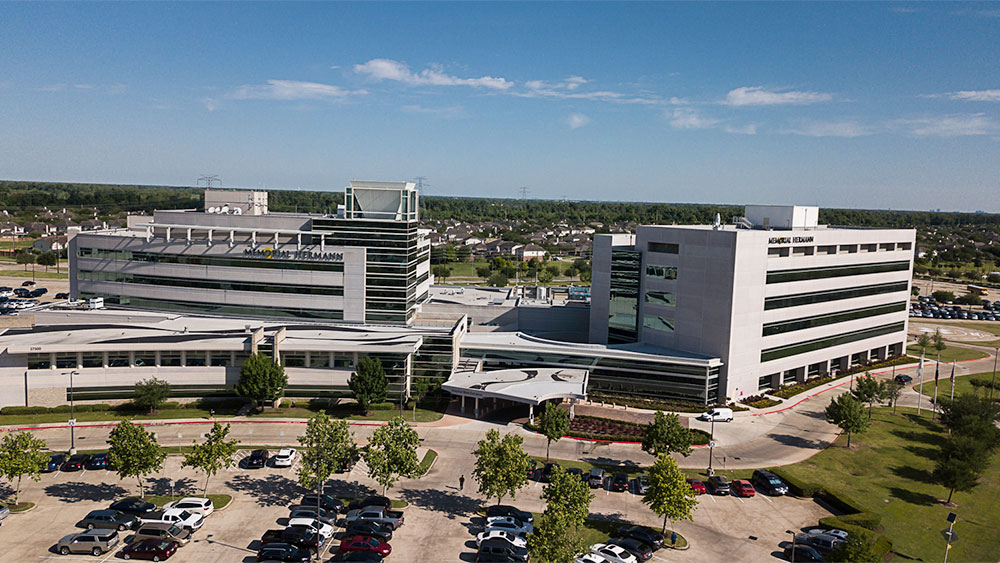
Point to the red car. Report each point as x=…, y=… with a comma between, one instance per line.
x=742, y=488
x=365, y=543
x=154, y=550
x=697, y=485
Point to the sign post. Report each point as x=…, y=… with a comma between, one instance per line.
x=949, y=534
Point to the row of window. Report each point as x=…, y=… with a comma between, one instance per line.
x=661, y=272
x=832, y=249
x=142, y=358
x=802, y=274
x=781, y=327
x=210, y=284
x=623, y=307
x=218, y=308
x=663, y=247
x=828, y=342
x=810, y=298
x=142, y=256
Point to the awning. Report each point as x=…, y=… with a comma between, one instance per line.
x=530, y=386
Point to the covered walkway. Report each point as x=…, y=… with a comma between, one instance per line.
x=530, y=386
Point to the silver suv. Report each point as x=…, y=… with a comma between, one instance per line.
x=163, y=531
x=94, y=542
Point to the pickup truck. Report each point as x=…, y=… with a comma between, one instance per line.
x=177, y=516
x=391, y=519
x=299, y=537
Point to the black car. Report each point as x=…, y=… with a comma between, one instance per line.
x=547, y=471
x=370, y=529
x=644, y=534
x=62, y=295
x=28, y=283
x=98, y=461
x=55, y=462
x=110, y=519
x=507, y=510
x=578, y=472
x=717, y=485
x=768, y=483
x=298, y=536
x=903, y=379
x=359, y=556
x=38, y=292
x=619, y=482
x=75, y=462
x=21, y=292
x=641, y=550
x=326, y=502
x=383, y=502
x=258, y=459
x=803, y=553
x=502, y=548
x=133, y=505
x=283, y=552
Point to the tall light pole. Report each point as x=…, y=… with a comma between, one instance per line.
x=994, y=379
x=793, y=544
x=949, y=534
x=711, y=445
x=72, y=418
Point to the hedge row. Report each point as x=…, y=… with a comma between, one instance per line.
x=698, y=437
x=126, y=408
x=669, y=406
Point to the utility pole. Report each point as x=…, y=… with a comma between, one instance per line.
x=994, y=379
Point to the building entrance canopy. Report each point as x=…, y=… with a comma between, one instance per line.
x=530, y=386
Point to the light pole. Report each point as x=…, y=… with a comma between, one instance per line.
x=72, y=418
x=949, y=534
x=711, y=445
x=994, y=379
x=793, y=544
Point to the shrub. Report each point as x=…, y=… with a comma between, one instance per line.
x=839, y=501
x=797, y=487
x=386, y=406
x=169, y=405
x=24, y=410
x=60, y=409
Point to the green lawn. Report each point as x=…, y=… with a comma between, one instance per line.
x=963, y=384
x=630, y=470
x=887, y=471
x=425, y=464
x=39, y=274
x=949, y=354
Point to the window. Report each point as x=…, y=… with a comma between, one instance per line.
x=658, y=323
x=39, y=361
x=781, y=327
x=803, y=250
x=820, y=343
x=887, y=246
x=319, y=360
x=118, y=360
x=777, y=252
x=294, y=359
x=66, y=360
x=848, y=249
x=220, y=359
x=170, y=359
x=661, y=298
x=833, y=295
x=93, y=359
x=661, y=272
x=624, y=297
x=826, y=250
x=195, y=359
x=343, y=361
x=144, y=359
x=663, y=247
x=764, y=381
x=782, y=276
x=869, y=248
x=904, y=246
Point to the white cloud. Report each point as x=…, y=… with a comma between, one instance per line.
x=450, y=112
x=758, y=96
x=748, y=129
x=687, y=118
x=976, y=95
x=53, y=88
x=848, y=129
x=957, y=125
x=83, y=86
x=388, y=69
x=293, y=90
x=211, y=104
x=577, y=120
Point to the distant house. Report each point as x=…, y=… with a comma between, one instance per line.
x=10, y=227
x=38, y=227
x=92, y=225
x=530, y=251
x=46, y=244
x=64, y=225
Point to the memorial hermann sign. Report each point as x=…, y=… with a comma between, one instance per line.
x=306, y=255
x=788, y=240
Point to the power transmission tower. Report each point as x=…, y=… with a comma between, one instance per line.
x=209, y=180
x=524, y=191
x=419, y=180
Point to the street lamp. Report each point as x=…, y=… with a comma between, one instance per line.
x=711, y=444
x=793, y=544
x=72, y=419
x=994, y=379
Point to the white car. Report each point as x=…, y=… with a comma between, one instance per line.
x=509, y=524
x=496, y=533
x=839, y=534
x=613, y=553
x=195, y=505
x=181, y=518
x=284, y=457
x=591, y=558
x=324, y=530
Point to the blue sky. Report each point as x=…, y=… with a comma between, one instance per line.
x=878, y=105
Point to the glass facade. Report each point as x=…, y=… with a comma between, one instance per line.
x=219, y=308
x=798, y=299
x=783, y=276
x=658, y=323
x=663, y=247
x=142, y=279
x=623, y=309
x=661, y=298
x=828, y=342
x=661, y=272
x=770, y=329
x=137, y=256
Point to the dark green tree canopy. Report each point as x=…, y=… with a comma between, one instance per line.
x=368, y=382
x=262, y=380
x=553, y=424
x=666, y=435
x=151, y=393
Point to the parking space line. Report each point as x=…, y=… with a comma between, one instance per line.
x=713, y=498
x=767, y=499
x=741, y=500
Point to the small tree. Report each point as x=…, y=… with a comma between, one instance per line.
x=261, y=379
x=544, y=277
x=497, y=279
x=392, y=452
x=891, y=394
x=21, y=454
x=585, y=275
x=867, y=389
x=501, y=465
x=857, y=549
x=942, y=296
x=368, y=382
x=975, y=417
x=134, y=452
x=939, y=344
x=846, y=412
x=552, y=541
x=150, y=394
x=47, y=259
x=666, y=435
x=328, y=446
x=914, y=291
x=441, y=271
x=553, y=424
x=669, y=493
x=484, y=272
x=960, y=463
x=568, y=495
x=215, y=453
x=923, y=342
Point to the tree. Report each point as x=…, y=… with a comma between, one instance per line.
x=969, y=415
x=25, y=257
x=914, y=291
x=570, y=272
x=942, y=296
x=484, y=272
x=568, y=495
x=669, y=493
x=501, y=465
x=497, y=279
x=939, y=344
x=449, y=253
x=134, y=452
x=463, y=253
x=858, y=548
x=891, y=394
x=553, y=424
x=585, y=275
x=441, y=271
x=967, y=299
x=21, y=454
x=923, y=341
x=150, y=393
x=867, y=389
x=392, y=452
x=261, y=379
x=846, y=412
x=666, y=435
x=49, y=259
x=960, y=462
x=215, y=453
x=552, y=269
x=327, y=446
x=551, y=540
x=368, y=383
x=544, y=277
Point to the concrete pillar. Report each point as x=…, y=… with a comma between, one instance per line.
x=210, y=232
x=800, y=374
x=168, y=234
x=322, y=243
x=531, y=414
x=253, y=239
x=298, y=241
x=189, y=235
x=232, y=238
x=476, y=412
x=463, y=404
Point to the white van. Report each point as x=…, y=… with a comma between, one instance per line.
x=718, y=415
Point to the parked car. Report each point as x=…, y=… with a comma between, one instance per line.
x=644, y=534
x=903, y=379
x=283, y=552
x=365, y=543
x=75, y=462
x=358, y=556
x=28, y=283
x=195, y=505
x=638, y=549
x=802, y=552
x=590, y=558
x=4, y=513
x=284, y=458
x=306, y=538
x=822, y=542
x=768, y=483
x=501, y=550
x=94, y=542
x=547, y=471
x=742, y=488
x=717, y=414
x=258, y=459
x=578, y=472
x=62, y=295
x=98, y=461
x=312, y=512
x=718, y=485
x=372, y=529
x=324, y=530
x=133, y=505
x=383, y=502
x=55, y=462
x=507, y=510
x=162, y=532
x=493, y=534
x=153, y=550
x=839, y=534
x=619, y=482
x=596, y=478
x=326, y=502
x=182, y=518
x=613, y=553
x=697, y=486
x=509, y=524
x=392, y=519
x=110, y=519
x=642, y=484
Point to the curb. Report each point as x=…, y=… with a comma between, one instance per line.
x=33, y=506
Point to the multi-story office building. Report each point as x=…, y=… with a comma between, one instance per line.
x=775, y=296
x=368, y=263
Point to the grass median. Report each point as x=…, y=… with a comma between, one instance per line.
x=949, y=354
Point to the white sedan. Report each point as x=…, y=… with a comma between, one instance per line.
x=284, y=457
x=497, y=533
x=324, y=530
x=613, y=553
x=839, y=534
x=591, y=558
x=195, y=505
x=508, y=523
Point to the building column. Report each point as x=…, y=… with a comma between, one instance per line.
x=168, y=234
x=800, y=374
x=531, y=414
x=572, y=409
x=476, y=412
x=463, y=404
x=189, y=235
x=253, y=239
x=298, y=241
x=232, y=238
x=322, y=243
x=210, y=234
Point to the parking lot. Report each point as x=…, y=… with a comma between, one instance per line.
x=441, y=521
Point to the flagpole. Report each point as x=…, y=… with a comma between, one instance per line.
x=920, y=381
x=937, y=366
